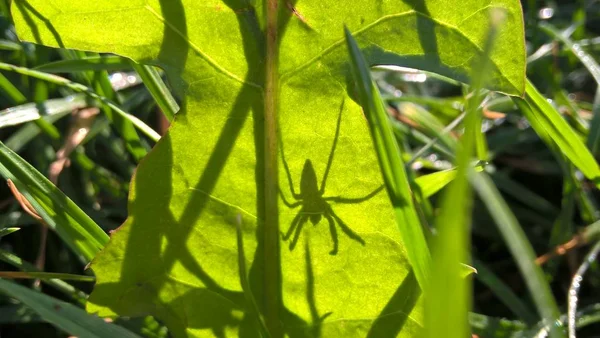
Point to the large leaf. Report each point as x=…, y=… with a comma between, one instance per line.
x=176, y=256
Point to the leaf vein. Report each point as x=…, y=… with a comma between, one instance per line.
x=286, y=76
x=197, y=49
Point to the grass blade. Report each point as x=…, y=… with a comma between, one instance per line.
x=504, y=293
x=432, y=183
x=75, y=227
x=45, y=275
x=153, y=135
x=158, y=89
x=590, y=258
x=556, y=132
x=58, y=284
x=91, y=63
x=587, y=60
x=390, y=161
x=66, y=316
x=33, y=111
x=521, y=250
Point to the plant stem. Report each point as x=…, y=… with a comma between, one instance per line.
x=271, y=225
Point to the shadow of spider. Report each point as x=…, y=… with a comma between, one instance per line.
x=314, y=205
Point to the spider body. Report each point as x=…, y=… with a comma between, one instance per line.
x=310, y=194
x=314, y=205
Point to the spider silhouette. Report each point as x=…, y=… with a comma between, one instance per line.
x=314, y=205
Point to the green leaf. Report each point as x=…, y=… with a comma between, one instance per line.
x=176, y=255
x=66, y=316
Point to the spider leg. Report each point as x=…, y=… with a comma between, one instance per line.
x=334, y=235
x=288, y=204
x=345, y=228
x=339, y=199
x=287, y=172
x=298, y=231
x=293, y=225
x=335, y=140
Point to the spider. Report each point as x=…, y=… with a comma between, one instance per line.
x=314, y=205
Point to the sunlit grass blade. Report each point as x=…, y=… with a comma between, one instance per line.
x=45, y=275
x=91, y=63
x=8, y=231
x=33, y=111
x=61, y=214
x=446, y=312
x=520, y=248
x=556, y=132
x=402, y=131
x=390, y=161
x=158, y=89
x=432, y=183
x=153, y=135
x=427, y=123
x=65, y=316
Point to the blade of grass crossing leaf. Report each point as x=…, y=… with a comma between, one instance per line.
x=392, y=167
x=446, y=313
x=90, y=63
x=153, y=135
x=99, y=81
x=75, y=227
x=521, y=249
x=65, y=316
x=158, y=89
